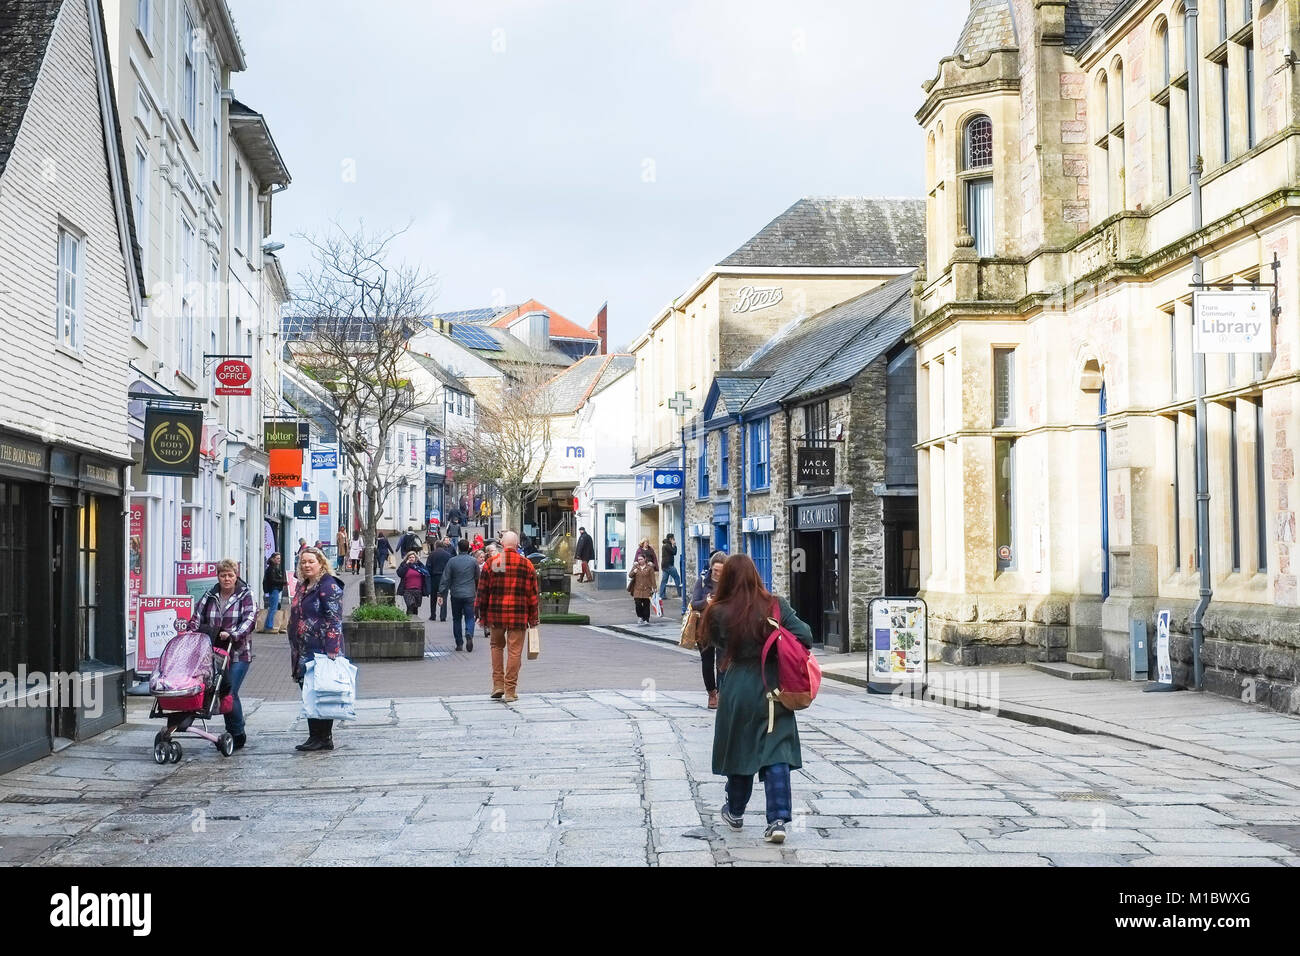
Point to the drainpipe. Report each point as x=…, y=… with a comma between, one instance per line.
x=787, y=513
x=744, y=481
x=1197, y=627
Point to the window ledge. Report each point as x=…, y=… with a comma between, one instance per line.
x=145, y=41
x=69, y=352
x=184, y=377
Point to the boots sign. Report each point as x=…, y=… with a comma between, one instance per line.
x=233, y=378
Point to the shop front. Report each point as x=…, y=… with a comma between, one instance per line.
x=63, y=594
x=819, y=578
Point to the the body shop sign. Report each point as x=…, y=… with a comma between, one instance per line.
x=233, y=378
x=159, y=619
x=1233, y=321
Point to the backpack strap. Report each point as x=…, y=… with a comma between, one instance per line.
x=775, y=620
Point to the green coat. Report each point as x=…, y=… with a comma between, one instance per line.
x=741, y=744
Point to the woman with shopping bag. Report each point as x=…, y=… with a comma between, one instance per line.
x=315, y=629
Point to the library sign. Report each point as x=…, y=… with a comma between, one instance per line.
x=1233, y=321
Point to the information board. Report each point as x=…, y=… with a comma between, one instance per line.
x=898, y=640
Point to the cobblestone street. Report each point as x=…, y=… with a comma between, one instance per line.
x=622, y=777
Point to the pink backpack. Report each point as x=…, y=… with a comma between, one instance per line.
x=798, y=674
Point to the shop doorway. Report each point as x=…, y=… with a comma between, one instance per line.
x=64, y=611
x=818, y=586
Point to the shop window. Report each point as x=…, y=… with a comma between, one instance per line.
x=701, y=555
x=15, y=507
x=760, y=551
x=615, y=540
x=88, y=578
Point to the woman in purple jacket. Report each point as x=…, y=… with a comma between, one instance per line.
x=315, y=627
x=227, y=614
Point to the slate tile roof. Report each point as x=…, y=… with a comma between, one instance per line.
x=572, y=387
x=1082, y=17
x=839, y=231
x=734, y=390
x=989, y=26
x=25, y=30
x=441, y=374
x=833, y=346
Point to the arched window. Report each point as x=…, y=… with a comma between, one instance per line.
x=1162, y=41
x=977, y=156
x=978, y=143
x=1100, y=180
x=1163, y=138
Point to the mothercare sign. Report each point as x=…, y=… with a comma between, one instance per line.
x=1234, y=321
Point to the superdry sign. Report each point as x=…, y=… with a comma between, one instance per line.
x=233, y=378
x=171, y=443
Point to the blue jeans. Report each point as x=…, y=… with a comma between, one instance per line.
x=670, y=569
x=272, y=606
x=776, y=785
x=235, y=719
x=462, y=609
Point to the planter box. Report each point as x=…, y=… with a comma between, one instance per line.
x=384, y=640
x=555, y=605
x=555, y=579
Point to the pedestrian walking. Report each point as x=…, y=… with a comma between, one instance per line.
x=315, y=627
x=412, y=581
x=441, y=552
x=341, y=540
x=410, y=541
x=507, y=605
x=453, y=528
x=586, y=553
x=646, y=550
x=701, y=597
x=383, y=548
x=274, y=582
x=302, y=545
x=669, y=552
x=226, y=613
x=355, y=551
x=752, y=734
x=459, y=588
x=641, y=582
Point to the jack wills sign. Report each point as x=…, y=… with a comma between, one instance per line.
x=815, y=466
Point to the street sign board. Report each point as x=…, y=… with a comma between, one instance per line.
x=669, y=478
x=1164, y=671
x=898, y=640
x=158, y=620
x=1238, y=321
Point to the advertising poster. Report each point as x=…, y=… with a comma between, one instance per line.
x=1164, y=671
x=196, y=578
x=187, y=535
x=159, y=619
x=898, y=640
x=135, y=558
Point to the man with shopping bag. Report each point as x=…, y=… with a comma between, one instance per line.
x=507, y=607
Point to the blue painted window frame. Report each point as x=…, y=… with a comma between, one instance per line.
x=760, y=471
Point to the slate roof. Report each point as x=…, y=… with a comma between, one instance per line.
x=734, y=390
x=833, y=346
x=990, y=26
x=25, y=30
x=572, y=387
x=441, y=374
x=839, y=231
x=1082, y=17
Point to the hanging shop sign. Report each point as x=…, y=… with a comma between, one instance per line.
x=324, y=460
x=233, y=378
x=286, y=467
x=669, y=478
x=305, y=510
x=815, y=466
x=304, y=434
x=171, y=442
x=1233, y=321
x=279, y=435
x=898, y=640
x=159, y=619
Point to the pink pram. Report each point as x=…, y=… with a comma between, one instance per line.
x=190, y=683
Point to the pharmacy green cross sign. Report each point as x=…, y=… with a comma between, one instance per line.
x=680, y=404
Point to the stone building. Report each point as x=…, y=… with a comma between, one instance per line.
x=821, y=251
x=1054, y=336
x=832, y=390
x=70, y=293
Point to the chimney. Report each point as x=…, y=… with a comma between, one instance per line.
x=601, y=327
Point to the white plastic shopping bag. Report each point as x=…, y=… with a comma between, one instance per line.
x=657, y=604
x=329, y=689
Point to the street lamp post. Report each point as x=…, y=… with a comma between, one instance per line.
x=681, y=404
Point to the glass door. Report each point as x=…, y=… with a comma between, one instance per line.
x=831, y=633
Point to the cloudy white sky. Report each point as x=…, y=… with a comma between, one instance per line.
x=589, y=150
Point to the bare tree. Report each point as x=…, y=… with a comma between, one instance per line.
x=511, y=443
x=356, y=312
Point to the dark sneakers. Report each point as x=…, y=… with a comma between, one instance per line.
x=469, y=644
x=775, y=832
x=736, y=823
x=240, y=740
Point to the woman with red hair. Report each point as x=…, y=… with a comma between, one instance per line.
x=737, y=623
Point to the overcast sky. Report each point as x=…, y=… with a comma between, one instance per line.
x=584, y=151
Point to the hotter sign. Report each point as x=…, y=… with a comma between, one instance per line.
x=233, y=377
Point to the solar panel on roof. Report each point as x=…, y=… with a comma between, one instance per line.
x=475, y=338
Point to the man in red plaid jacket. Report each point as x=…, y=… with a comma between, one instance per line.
x=506, y=607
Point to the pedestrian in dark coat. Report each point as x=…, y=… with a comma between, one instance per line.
x=383, y=548
x=648, y=551
x=440, y=552
x=586, y=553
x=700, y=600
x=315, y=627
x=738, y=620
x=274, y=581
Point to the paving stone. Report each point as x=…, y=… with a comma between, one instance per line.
x=686, y=858
x=991, y=808
x=870, y=807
